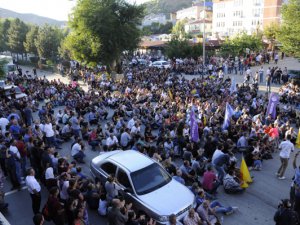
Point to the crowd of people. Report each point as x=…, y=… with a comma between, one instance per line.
x=149, y=111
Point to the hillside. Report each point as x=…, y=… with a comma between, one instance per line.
x=30, y=18
x=166, y=6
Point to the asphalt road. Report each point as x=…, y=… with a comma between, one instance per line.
x=257, y=204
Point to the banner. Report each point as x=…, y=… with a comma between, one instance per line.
x=273, y=101
x=194, y=127
x=298, y=139
x=228, y=114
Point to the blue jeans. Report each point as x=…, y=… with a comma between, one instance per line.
x=94, y=144
x=51, y=141
x=220, y=208
x=18, y=171
x=221, y=173
x=23, y=166
x=258, y=164
x=79, y=156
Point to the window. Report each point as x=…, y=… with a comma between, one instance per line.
x=109, y=168
x=149, y=179
x=238, y=2
x=257, y=2
x=238, y=13
x=256, y=12
x=123, y=178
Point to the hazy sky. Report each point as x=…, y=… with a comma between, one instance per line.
x=56, y=9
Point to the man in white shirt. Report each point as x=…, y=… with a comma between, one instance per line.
x=49, y=133
x=77, y=151
x=112, y=142
x=131, y=123
x=3, y=123
x=286, y=147
x=34, y=189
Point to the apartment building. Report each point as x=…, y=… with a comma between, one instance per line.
x=234, y=16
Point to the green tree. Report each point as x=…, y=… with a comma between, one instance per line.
x=178, y=48
x=31, y=37
x=17, y=36
x=5, y=25
x=290, y=28
x=113, y=23
x=157, y=28
x=238, y=44
x=178, y=30
x=82, y=47
x=47, y=42
x=271, y=33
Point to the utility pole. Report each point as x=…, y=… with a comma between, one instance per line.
x=203, y=38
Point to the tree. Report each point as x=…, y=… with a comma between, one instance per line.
x=157, y=28
x=82, y=47
x=5, y=25
x=113, y=24
x=47, y=42
x=238, y=44
x=178, y=30
x=31, y=37
x=17, y=36
x=290, y=28
x=177, y=48
x=271, y=33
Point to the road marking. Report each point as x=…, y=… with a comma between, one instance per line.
x=14, y=191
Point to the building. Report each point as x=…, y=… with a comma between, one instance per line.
x=195, y=27
x=193, y=12
x=154, y=18
x=234, y=16
x=271, y=12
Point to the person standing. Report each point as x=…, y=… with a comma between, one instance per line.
x=261, y=75
x=286, y=147
x=34, y=189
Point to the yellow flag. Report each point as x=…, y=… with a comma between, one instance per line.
x=246, y=178
x=170, y=94
x=298, y=140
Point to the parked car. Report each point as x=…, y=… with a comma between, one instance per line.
x=294, y=76
x=13, y=89
x=161, y=64
x=145, y=183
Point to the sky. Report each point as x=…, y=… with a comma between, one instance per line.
x=55, y=9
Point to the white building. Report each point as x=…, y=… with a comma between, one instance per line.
x=196, y=27
x=233, y=16
x=154, y=18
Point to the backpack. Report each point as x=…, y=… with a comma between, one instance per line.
x=46, y=213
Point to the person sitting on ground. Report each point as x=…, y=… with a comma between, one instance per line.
x=207, y=214
x=192, y=218
x=173, y=220
x=230, y=183
x=210, y=182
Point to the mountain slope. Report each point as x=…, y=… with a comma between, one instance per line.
x=30, y=18
x=166, y=6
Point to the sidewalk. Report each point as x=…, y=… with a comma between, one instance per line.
x=289, y=62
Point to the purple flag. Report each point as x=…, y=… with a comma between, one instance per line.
x=194, y=127
x=273, y=101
